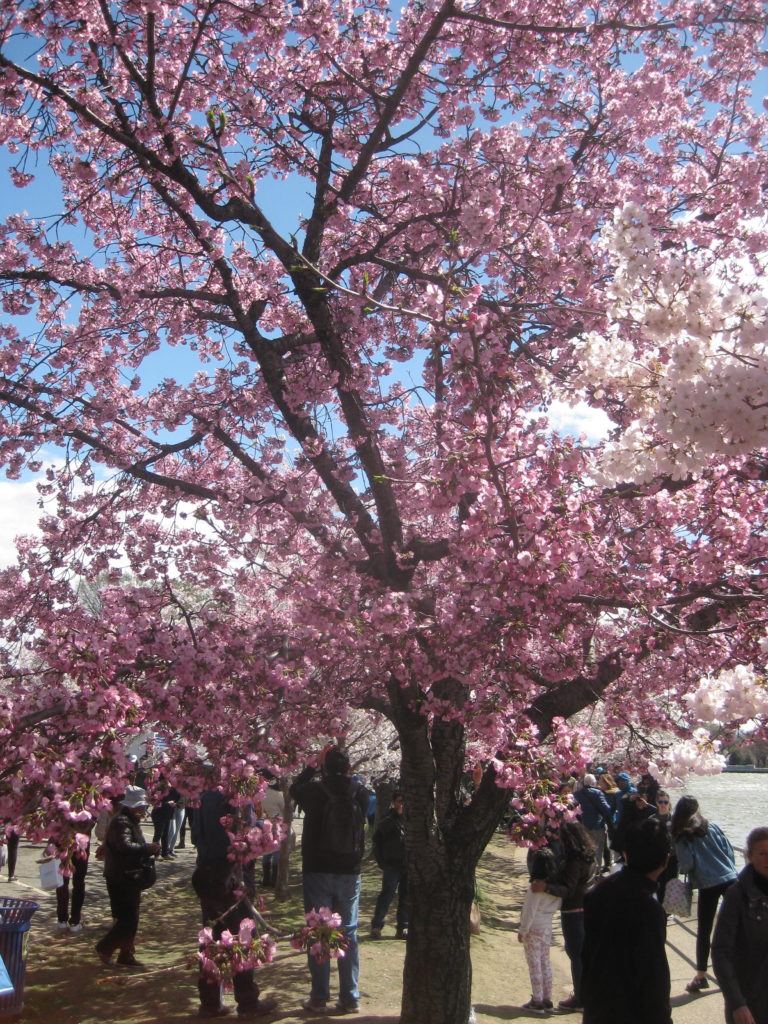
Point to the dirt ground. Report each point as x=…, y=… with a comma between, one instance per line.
x=66, y=984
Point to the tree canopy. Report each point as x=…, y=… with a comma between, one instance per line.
x=375, y=250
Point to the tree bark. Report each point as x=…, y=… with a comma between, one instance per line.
x=448, y=825
x=437, y=976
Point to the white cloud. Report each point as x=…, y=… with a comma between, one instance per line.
x=19, y=514
x=579, y=419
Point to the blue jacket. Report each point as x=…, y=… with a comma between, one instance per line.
x=595, y=809
x=707, y=859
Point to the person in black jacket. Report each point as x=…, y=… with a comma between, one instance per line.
x=625, y=974
x=335, y=807
x=162, y=818
x=575, y=854
x=223, y=891
x=740, y=943
x=125, y=852
x=389, y=851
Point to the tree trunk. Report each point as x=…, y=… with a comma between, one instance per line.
x=448, y=823
x=437, y=976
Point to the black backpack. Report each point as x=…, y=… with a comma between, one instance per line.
x=342, y=825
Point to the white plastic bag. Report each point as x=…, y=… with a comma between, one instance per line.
x=50, y=874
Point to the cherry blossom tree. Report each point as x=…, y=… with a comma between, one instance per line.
x=304, y=442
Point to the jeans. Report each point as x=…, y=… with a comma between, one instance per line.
x=174, y=827
x=393, y=880
x=227, y=912
x=341, y=893
x=572, y=923
x=598, y=838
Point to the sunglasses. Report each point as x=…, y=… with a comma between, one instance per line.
x=660, y=802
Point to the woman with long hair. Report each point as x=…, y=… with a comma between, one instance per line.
x=575, y=872
x=706, y=856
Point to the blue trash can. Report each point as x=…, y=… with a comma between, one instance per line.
x=15, y=922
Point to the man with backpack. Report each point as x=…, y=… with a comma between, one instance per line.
x=334, y=808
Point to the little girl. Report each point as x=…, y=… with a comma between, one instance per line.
x=535, y=931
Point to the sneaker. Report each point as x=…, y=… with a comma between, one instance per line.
x=570, y=1003
x=62, y=926
x=75, y=928
x=535, y=1006
x=13, y=878
x=401, y=933
x=214, y=1011
x=697, y=985
x=315, y=1005
x=375, y=933
x=261, y=1009
x=351, y=1007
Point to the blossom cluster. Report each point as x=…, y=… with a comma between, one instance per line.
x=223, y=957
x=252, y=842
x=75, y=847
x=699, y=755
x=684, y=353
x=536, y=815
x=733, y=695
x=322, y=936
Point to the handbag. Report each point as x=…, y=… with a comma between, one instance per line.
x=148, y=873
x=145, y=876
x=677, y=898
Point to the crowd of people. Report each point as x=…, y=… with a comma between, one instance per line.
x=614, y=927
x=601, y=869
x=336, y=809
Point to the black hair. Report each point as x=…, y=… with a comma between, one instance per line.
x=543, y=865
x=646, y=845
x=336, y=762
x=577, y=842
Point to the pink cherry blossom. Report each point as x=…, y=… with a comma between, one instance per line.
x=285, y=347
